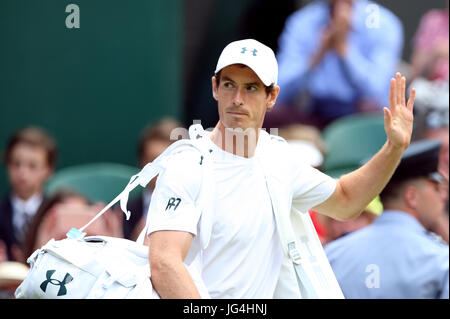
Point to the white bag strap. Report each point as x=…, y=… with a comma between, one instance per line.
x=287, y=236
x=288, y=242
x=142, y=178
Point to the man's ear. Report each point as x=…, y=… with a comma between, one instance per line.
x=214, y=88
x=273, y=95
x=410, y=196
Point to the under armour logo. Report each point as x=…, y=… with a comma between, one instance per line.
x=254, y=51
x=62, y=284
x=171, y=203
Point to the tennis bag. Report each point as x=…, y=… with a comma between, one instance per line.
x=79, y=267
x=92, y=267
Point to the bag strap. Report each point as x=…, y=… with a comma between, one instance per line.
x=289, y=243
x=195, y=132
x=142, y=178
x=286, y=232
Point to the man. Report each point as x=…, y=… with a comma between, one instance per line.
x=336, y=58
x=397, y=256
x=30, y=160
x=243, y=256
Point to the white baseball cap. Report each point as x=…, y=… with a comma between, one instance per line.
x=257, y=56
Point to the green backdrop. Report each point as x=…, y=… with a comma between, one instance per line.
x=93, y=88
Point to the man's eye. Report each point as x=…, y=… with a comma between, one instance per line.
x=252, y=88
x=228, y=85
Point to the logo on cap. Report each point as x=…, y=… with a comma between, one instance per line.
x=254, y=51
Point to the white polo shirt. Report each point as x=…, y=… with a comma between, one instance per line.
x=244, y=255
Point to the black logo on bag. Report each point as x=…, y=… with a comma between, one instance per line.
x=171, y=203
x=62, y=284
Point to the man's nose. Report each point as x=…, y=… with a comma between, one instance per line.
x=238, y=97
x=22, y=170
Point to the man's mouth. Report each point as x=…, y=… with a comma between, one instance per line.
x=236, y=112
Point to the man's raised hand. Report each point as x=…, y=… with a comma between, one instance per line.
x=398, y=119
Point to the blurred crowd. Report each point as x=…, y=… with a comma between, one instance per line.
x=335, y=60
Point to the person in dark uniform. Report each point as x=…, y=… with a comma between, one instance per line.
x=397, y=256
x=30, y=158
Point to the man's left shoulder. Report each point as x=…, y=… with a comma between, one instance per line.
x=274, y=140
x=278, y=139
x=280, y=150
x=275, y=146
x=278, y=153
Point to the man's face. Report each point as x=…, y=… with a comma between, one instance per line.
x=430, y=203
x=28, y=170
x=242, y=98
x=74, y=212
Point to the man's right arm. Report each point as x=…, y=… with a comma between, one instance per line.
x=169, y=275
x=173, y=217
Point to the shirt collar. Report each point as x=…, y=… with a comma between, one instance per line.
x=29, y=206
x=398, y=216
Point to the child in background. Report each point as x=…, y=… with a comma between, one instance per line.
x=30, y=158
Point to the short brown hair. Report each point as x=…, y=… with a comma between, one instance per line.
x=268, y=89
x=161, y=131
x=36, y=137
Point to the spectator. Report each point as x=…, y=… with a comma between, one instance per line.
x=442, y=134
x=430, y=53
x=337, y=57
x=152, y=142
x=62, y=211
x=30, y=160
x=432, y=123
x=396, y=256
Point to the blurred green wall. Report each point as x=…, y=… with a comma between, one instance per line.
x=93, y=88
